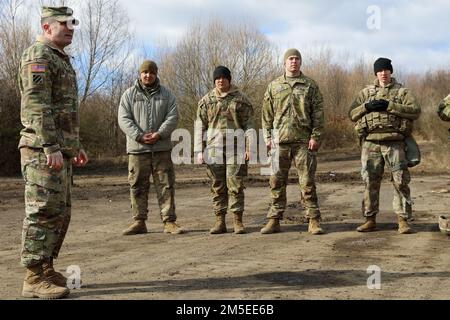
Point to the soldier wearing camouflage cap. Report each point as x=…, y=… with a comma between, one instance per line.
x=49, y=146
x=293, y=111
x=444, y=109
x=225, y=108
x=383, y=114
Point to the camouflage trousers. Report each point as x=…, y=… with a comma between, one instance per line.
x=159, y=166
x=305, y=162
x=374, y=157
x=227, y=187
x=47, y=207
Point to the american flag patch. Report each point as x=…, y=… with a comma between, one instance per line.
x=38, y=68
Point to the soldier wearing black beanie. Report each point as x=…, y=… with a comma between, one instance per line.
x=382, y=64
x=383, y=113
x=222, y=71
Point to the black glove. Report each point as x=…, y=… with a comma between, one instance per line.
x=382, y=105
x=372, y=106
x=377, y=105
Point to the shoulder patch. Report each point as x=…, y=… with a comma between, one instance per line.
x=38, y=68
x=38, y=79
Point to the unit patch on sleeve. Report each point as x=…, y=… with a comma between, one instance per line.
x=38, y=79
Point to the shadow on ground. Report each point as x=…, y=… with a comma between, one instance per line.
x=273, y=281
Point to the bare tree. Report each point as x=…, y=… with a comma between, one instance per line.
x=103, y=44
x=100, y=130
x=55, y=3
x=15, y=36
x=188, y=68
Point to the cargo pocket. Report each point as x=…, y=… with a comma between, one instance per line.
x=34, y=240
x=47, y=179
x=44, y=196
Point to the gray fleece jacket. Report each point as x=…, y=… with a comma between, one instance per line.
x=141, y=112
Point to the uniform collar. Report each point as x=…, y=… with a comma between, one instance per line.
x=148, y=91
x=232, y=91
x=50, y=44
x=293, y=80
x=390, y=85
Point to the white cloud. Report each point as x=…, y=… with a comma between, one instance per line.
x=413, y=33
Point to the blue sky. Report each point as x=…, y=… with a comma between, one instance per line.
x=414, y=34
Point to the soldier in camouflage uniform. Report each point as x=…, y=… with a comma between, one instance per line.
x=293, y=110
x=444, y=113
x=383, y=114
x=225, y=108
x=49, y=144
x=148, y=114
x=444, y=109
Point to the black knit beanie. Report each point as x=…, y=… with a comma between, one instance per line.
x=222, y=71
x=382, y=64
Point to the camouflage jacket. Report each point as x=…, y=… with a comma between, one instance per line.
x=393, y=124
x=220, y=112
x=444, y=109
x=49, y=106
x=294, y=107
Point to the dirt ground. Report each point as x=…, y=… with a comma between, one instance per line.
x=289, y=265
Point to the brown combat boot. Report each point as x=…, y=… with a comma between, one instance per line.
x=54, y=277
x=369, y=226
x=238, y=225
x=314, y=226
x=172, y=227
x=137, y=227
x=273, y=226
x=35, y=285
x=220, y=225
x=403, y=226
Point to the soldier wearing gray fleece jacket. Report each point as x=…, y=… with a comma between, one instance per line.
x=148, y=115
x=146, y=110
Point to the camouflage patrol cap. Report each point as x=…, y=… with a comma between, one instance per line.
x=61, y=14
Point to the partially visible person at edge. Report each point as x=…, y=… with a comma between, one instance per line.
x=49, y=145
x=293, y=106
x=444, y=109
x=148, y=114
x=225, y=108
x=383, y=114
